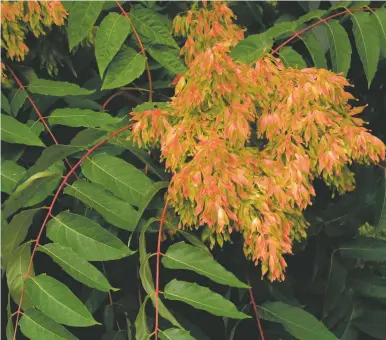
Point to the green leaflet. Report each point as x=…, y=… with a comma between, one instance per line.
x=81, y=118
x=11, y=174
x=372, y=323
x=57, y=88
x=76, y=266
x=32, y=191
x=37, y=326
x=315, y=49
x=121, y=178
x=111, y=34
x=114, y=210
x=12, y=131
x=368, y=285
x=298, y=322
x=281, y=28
x=175, y=334
x=150, y=27
x=86, y=238
x=82, y=16
x=127, y=66
x=17, y=267
x=367, y=42
x=184, y=256
x=15, y=233
x=364, y=248
x=291, y=58
x=17, y=98
x=340, y=46
x=55, y=299
x=147, y=278
x=380, y=201
x=5, y=105
x=252, y=48
x=141, y=328
x=379, y=18
x=51, y=155
x=202, y=298
x=168, y=58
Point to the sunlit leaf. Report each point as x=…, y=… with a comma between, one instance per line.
x=27, y=191
x=12, y=131
x=126, y=66
x=79, y=117
x=86, y=237
x=76, y=266
x=281, y=28
x=184, y=256
x=296, y=321
x=15, y=233
x=168, y=58
x=202, y=298
x=11, y=174
x=111, y=34
x=147, y=278
x=17, y=98
x=121, y=178
x=17, y=268
x=252, y=48
x=175, y=334
x=55, y=299
x=82, y=17
x=141, y=328
x=149, y=26
x=37, y=326
x=57, y=88
x=367, y=42
x=5, y=105
x=114, y=210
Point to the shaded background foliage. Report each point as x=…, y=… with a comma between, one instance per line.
x=337, y=274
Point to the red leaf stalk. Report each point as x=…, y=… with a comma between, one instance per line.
x=255, y=310
x=142, y=50
x=50, y=208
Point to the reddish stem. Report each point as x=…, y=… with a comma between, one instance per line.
x=157, y=273
x=120, y=93
x=142, y=50
x=48, y=215
x=297, y=34
x=41, y=118
x=255, y=310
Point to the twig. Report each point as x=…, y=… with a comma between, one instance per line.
x=255, y=310
x=297, y=34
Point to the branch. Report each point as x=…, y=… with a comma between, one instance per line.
x=41, y=118
x=142, y=50
x=48, y=215
x=255, y=310
x=297, y=34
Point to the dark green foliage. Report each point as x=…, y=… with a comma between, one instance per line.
x=102, y=228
